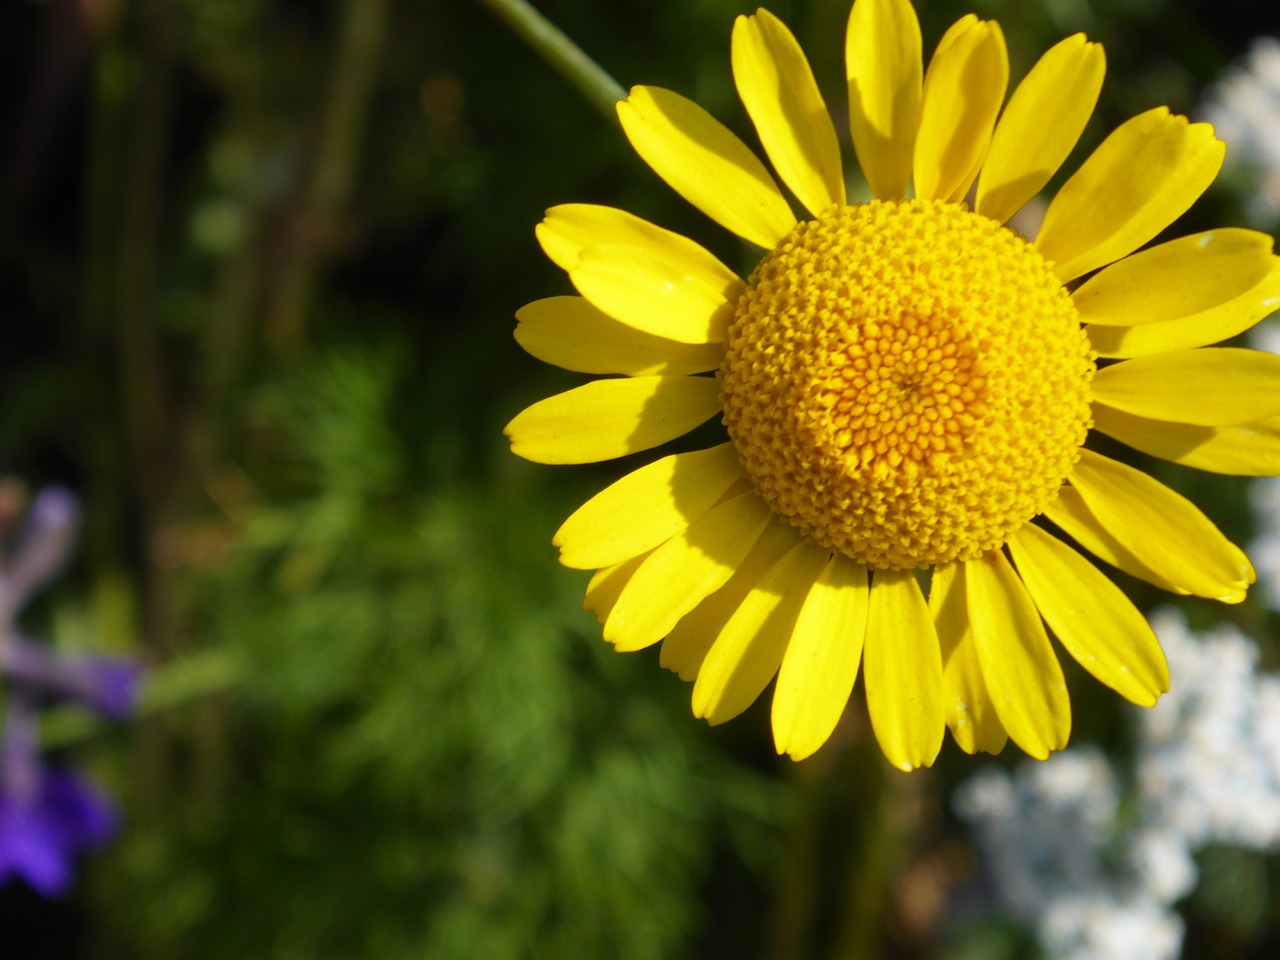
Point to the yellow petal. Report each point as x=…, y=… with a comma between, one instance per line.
x=1091, y=616
x=902, y=668
x=1176, y=279
x=1040, y=126
x=883, y=65
x=1212, y=325
x=569, y=228
x=970, y=713
x=646, y=507
x=963, y=90
x=660, y=291
x=1210, y=387
x=1244, y=450
x=646, y=277
x=571, y=333
x=747, y=652
x=678, y=575
x=1163, y=529
x=1018, y=663
x=777, y=87
x=606, y=586
x=821, y=662
x=1069, y=511
x=706, y=164
x=604, y=419
x=686, y=646
x=1140, y=179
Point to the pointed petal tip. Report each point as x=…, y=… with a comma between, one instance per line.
x=1237, y=590
x=1040, y=748
x=624, y=106
x=517, y=447
x=713, y=719
x=567, y=559
x=915, y=763
x=1147, y=701
x=916, y=759
x=786, y=745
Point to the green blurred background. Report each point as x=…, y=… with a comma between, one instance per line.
x=258, y=265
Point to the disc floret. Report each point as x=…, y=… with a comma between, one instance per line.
x=906, y=382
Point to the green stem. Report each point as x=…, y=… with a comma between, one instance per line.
x=359, y=59
x=880, y=811
x=182, y=681
x=600, y=89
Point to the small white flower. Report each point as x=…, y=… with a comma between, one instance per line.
x=1244, y=108
x=1207, y=771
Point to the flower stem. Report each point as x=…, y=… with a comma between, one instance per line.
x=190, y=679
x=600, y=89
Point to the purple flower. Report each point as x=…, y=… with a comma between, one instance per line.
x=42, y=834
x=48, y=815
x=39, y=552
x=106, y=684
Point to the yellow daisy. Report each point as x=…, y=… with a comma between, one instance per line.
x=907, y=386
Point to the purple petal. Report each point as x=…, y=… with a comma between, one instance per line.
x=111, y=685
x=80, y=814
x=43, y=547
x=31, y=849
x=41, y=861
x=55, y=507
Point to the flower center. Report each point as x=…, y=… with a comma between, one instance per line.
x=906, y=382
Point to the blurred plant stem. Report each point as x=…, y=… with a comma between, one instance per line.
x=600, y=89
x=336, y=156
x=137, y=250
x=799, y=884
x=179, y=682
x=845, y=847
x=878, y=802
x=129, y=151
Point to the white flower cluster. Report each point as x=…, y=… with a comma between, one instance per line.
x=1208, y=763
x=1097, y=883
x=1244, y=108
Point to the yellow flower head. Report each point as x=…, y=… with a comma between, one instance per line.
x=907, y=385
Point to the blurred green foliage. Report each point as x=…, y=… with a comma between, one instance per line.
x=432, y=757
x=259, y=260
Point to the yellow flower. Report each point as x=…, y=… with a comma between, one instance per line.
x=907, y=384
